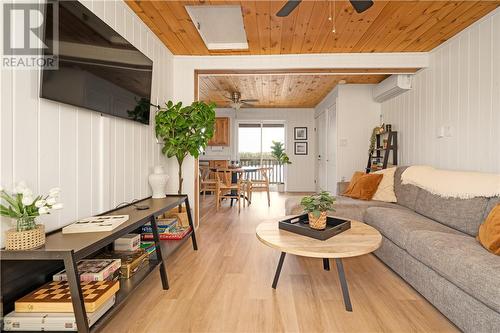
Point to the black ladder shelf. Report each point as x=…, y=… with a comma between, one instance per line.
x=382, y=152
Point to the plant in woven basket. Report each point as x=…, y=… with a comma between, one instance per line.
x=317, y=206
x=21, y=206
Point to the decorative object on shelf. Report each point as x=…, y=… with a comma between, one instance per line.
x=317, y=206
x=388, y=127
x=184, y=130
x=24, y=208
x=95, y=224
x=373, y=139
x=158, y=180
x=300, y=148
x=300, y=133
x=382, y=144
x=278, y=152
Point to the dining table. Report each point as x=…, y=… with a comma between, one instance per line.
x=235, y=171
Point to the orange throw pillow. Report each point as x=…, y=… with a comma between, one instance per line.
x=354, y=179
x=363, y=186
x=489, y=231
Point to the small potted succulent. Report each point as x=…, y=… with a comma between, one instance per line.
x=317, y=206
x=24, y=208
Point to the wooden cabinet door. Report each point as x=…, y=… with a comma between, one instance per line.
x=221, y=133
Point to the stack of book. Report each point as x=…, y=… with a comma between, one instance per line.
x=168, y=229
x=49, y=308
x=149, y=247
x=94, y=270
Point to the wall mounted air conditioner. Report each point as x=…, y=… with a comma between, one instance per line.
x=391, y=87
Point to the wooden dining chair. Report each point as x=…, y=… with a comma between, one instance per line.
x=226, y=188
x=206, y=183
x=261, y=185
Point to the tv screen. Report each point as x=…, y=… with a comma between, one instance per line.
x=98, y=69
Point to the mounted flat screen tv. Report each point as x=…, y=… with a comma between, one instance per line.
x=98, y=69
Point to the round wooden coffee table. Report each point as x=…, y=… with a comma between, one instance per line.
x=360, y=239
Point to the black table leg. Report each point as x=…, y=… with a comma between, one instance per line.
x=76, y=292
x=278, y=270
x=163, y=270
x=326, y=264
x=190, y=220
x=343, y=284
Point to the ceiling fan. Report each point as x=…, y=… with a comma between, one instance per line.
x=237, y=102
x=358, y=5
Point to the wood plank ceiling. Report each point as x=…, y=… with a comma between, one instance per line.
x=276, y=90
x=388, y=26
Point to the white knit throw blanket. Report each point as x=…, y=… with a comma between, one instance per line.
x=453, y=184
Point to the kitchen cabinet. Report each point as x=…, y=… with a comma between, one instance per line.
x=221, y=133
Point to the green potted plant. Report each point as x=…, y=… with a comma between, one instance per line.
x=24, y=208
x=317, y=206
x=278, y=152
x=184, y=130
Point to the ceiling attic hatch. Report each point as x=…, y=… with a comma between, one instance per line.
x=220, y=27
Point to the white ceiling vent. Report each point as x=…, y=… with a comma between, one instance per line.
x=220, y=27
x=391, y=87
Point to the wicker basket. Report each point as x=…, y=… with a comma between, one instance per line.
x=25, y=240
x=318, y=223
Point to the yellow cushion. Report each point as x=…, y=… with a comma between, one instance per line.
x=489, y=231
x=354, y=179
x=385, y=190
x=363, y=186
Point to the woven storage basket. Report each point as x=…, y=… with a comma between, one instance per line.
x=317, y=223
x=25, y=240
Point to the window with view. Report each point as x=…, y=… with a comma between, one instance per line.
x=254, y=146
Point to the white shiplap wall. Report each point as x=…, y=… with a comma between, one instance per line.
x=98, y=161
x=461, y=88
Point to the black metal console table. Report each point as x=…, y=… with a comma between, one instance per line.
x=70, y=248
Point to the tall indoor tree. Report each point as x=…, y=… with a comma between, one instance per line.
x=184, y=130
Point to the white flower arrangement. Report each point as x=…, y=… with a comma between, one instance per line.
x=22, y=206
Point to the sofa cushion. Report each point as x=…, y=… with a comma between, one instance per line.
x=461, y=260
x=385, y=190
x=344, y=207
x=405, y=194
x=462, y=214
x=398, y=224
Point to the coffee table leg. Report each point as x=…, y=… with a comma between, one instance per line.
x=343, y=284
x=278, y=270
x=326, y=264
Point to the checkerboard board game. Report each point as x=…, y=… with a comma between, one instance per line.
x=55, y=297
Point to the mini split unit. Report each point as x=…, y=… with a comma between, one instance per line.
x=391, y=87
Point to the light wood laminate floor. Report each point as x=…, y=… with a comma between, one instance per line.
x=226, y=287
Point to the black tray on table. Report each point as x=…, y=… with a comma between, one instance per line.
x=300, y=225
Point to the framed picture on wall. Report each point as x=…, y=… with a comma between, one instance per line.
x=300, y=148
x=300, y=133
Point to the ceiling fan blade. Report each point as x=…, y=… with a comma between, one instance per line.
x=288, y=8
x=361, y=5
x=249, y=100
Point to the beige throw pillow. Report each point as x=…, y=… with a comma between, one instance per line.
x=385, y=191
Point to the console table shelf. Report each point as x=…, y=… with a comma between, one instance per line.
x=70, y=248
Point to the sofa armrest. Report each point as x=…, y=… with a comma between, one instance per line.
x=341, y=187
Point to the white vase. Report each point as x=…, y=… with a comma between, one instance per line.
x=158, y=180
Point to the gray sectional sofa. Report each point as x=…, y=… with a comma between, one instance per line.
x=430, y=242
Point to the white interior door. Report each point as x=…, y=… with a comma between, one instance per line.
x=331, y=147
x=321, y=154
